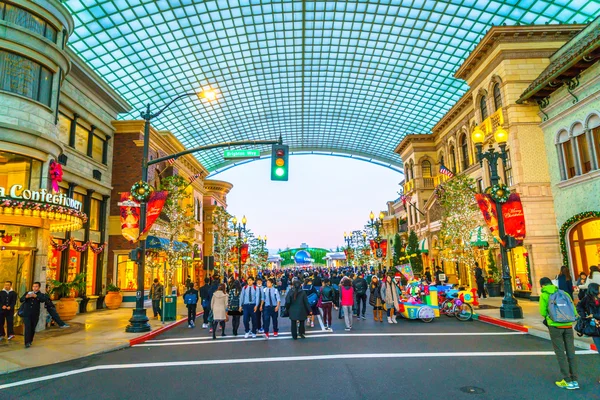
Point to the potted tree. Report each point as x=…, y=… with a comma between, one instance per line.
x=113, y=298
x=494, y=276
x=67, y=307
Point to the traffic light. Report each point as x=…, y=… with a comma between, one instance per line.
x=135, y=254
x=279, y=162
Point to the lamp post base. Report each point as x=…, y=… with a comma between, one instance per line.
x=138, y=322
x=511, y=310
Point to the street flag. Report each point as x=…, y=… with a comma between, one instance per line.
x=406, y=270
x=194, y=177
x=171, y=161
x=446, y=171
x=130, y=217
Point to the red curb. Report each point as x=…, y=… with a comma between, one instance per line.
x=593, y=347
x=504, y=324
x=162, y=329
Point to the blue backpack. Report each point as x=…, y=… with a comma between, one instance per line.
x=313, y=299
x=190, y=298
x=560, y=307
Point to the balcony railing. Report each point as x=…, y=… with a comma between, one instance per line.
x=439, y=179
x=428, y=183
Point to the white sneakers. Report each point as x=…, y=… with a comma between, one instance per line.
x=204, y=326
x=253, y=335
x=390, y=320
x=247, y=335
x=394, y=319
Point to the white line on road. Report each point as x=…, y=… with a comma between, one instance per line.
x=320, y=335
x=321, y=323
x=218, y=337
x=336, y=357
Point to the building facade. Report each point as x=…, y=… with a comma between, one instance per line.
x=55, y=153
x=497, y=71
x=128, y=154
x=568, y=93
x=215, y=196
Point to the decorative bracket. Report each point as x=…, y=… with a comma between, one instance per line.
x=543, y=103
x=572, y=84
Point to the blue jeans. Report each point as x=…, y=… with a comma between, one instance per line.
x=268, y=314
x=156, y=308
x=249, y=314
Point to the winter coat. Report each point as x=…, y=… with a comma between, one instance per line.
x=327, y=294
x=375, y=293
x=478, y=275
x=347, y=295
x=360, y=286
x=32, y=305
x=566, y=285
x=589, y=306
x=547, y=291
x=8, y=299
x=593, y=278
x=298, y=308
x=389, y=293
x=156, y=291
x=218, y=305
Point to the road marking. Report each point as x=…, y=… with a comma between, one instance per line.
x=324, y=334
x=218, y=337
x=321, y=322
x=336, y=357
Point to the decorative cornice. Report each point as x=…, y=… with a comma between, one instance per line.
x=408, y=139
x=514, y=34
x=464, y=102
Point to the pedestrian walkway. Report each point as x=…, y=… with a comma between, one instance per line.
x=531, y=319
x=90, y=333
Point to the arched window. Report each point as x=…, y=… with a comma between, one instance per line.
x=452, y=159
x=483, y=107
x=426, y=169
x=464, y=148
x=583, y=149
x=596, y=139
x=497, y=96
x=565, y=156
x=411, y=174
x=442, y=159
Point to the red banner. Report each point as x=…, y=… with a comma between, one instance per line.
x=380, y=248
x=383, y=247
x=154, y=207
x=245, y=253
x=490, y=213
x=514, y=218
x=130, y=217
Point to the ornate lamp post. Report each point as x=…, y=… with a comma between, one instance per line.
x=510, y=307
x=263, y=243
x=239, y=228
x=139, y=320
x=377, y=224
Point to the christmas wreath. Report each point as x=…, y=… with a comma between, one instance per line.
x=141, y=191
x=499, y=192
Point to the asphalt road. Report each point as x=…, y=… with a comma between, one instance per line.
x=443, y=359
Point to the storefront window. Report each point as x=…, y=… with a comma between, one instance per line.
x=584, y=241
x=74, y=263
x=25, y=77
x=90, y=273
x=16, y=169
x=81, y=138
x=520, y=269
x=54, y=257
x=94, y=216
x=64, y=128
x=97, y=148
x=126, y=273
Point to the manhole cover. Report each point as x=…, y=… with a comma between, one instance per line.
x=472, y=390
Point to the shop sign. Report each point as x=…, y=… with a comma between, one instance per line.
x=42, y=196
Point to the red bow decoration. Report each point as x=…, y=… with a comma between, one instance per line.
x=56, y=174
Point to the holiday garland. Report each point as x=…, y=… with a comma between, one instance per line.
x=568, y=224
x=141, y=191
x=36, y=206
x=79, y=248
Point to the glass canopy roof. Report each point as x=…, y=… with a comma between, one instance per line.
x=348, y=77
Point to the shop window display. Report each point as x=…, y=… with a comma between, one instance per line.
x=521, y=269
x=16, y=169
x=90, y=273
x=126, y=273
x=584, y=239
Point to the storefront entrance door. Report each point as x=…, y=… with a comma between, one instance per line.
x=17, y=266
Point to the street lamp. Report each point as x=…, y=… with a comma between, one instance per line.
x=262, y=241
x=139, y=320
x=239, y=228
x=510, y=307
x=377, y=224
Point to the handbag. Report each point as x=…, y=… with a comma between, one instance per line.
x=21, y=310
x=283, y=312
x=584, y=327
x=312, y=299
x=211, y=317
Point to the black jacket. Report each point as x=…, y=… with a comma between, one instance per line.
x=327, y=294
x=360, y=286
x=479, y=275
x=298, y=308
x=193, y=292
x=588, y=306
x=32, y=304
x=8, y=299
x=317, y=281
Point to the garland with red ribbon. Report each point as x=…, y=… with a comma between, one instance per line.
x=56, y=174
x=79, y=248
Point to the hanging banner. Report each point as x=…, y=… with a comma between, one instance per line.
x=490, y=214
x=383, y=247
x=514, y=218
x=245, y=253
x=406, y=270
x=130, y=217
x=380, y=248
x=154, y=207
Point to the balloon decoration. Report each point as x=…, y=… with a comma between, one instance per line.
x=56, y=174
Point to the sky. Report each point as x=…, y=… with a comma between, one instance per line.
x=324, y=197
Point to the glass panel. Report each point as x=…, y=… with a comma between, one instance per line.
x=483, y=108
x=81, y=138
x=508, y=175
x=45, y=90
x=497, y=96
x=16, y=266
x=54, y=257
x=596, y=135
x=464, y=144
x=97, y=148
x=74, y=265
x=90, y=273
x=64, y=128
x=584, y=154
x=19, y=75
x=126, y=273
x=94, y=216
x=568, y=157
x=50, y=33
x=15, y=169
x=21, y=17
x=426, y=169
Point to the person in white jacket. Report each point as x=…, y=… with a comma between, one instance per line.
x=593, y=278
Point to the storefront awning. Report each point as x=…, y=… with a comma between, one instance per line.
x=478, y=237
x=424, y=246
x=155, y=242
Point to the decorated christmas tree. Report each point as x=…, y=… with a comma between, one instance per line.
x=413, y=252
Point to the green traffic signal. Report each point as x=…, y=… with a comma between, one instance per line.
x=279, y=162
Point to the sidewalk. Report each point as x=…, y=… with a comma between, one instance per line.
x=531, y=322
x=90, y=333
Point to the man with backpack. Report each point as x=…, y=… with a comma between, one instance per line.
x=190, y=298
x=559, y=314
x=360, y=286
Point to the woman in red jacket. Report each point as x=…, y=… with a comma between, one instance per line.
x=347, y=301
